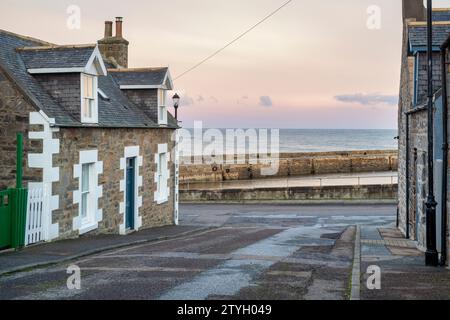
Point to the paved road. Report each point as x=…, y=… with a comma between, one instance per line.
x=255, y=252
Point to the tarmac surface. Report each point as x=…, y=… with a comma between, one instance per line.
x=249, y=252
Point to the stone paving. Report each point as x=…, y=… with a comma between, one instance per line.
x=403, y=272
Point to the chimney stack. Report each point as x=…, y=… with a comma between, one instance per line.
x=114, y=48
x=119, y=21
x=108, y=29
x=415, y=10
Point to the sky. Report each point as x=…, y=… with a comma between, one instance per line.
x=314, y=64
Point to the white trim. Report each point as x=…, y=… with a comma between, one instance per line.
x=96, y=63
x=88, y=157
x=162, y=107
x=164, y=197
x=50, y=174
x=102, y=94
x=131, y=152
x=177, y=180
x=142, y=87
x=94, y=119
x=55, y=70
x=168, y=77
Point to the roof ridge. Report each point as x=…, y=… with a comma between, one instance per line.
x=27, y=38
x=137, y=69
x=57, y=47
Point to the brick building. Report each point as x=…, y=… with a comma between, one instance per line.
x=413, y=137
x=98, y=136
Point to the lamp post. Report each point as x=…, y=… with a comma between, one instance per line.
x=431, y=255
x=176, y=102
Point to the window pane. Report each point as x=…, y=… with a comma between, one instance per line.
x=85, y=178
x=88, y=86
x=162, y=97
x=161, y=113
x=84, y=200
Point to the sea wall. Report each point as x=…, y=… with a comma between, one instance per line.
x=297, y=194
x=290, y=164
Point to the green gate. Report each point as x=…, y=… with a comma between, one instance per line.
x=13, y=208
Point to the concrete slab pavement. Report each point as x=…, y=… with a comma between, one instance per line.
x=404, y=275
x=56, y=252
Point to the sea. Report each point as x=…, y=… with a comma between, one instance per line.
x=316, y=140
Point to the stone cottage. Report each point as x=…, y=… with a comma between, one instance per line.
x=413, y=137
x=98, y=136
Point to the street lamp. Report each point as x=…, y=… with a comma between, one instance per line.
x=176, y=103
x=431, y=255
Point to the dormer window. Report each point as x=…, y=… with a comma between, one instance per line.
x=89, y=101
x=162, y=107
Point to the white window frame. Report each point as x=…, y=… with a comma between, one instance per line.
x=162, y=174
x=90, y=214
x=94, y=116
x=94, y=215
x=162, y=107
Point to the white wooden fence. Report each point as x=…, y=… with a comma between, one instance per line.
x=35, y=213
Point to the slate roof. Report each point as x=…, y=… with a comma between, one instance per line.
x=418, y=35
x=147, y=76
x=117, y=111
x=56, y=56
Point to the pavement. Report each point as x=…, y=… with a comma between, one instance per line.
x=60, y=251
x=285, y=252
x=404, y=275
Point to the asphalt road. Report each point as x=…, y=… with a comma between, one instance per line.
x=255, y=252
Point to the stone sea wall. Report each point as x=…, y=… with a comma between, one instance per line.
x=290, y=164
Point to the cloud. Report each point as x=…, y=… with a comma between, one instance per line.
x=186, y=100
x=368, y=99
x=265, y=101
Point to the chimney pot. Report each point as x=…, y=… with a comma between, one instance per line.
x=108, y=29
x=119, y=21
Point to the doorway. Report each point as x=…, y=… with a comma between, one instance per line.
x=130, y=197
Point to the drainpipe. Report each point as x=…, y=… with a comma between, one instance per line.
x=444, y=226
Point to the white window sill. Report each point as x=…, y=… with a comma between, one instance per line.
x=163, y=200
x=88, y=228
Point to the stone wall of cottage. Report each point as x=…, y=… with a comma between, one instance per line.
x=110, y=144
x=405, y=102
x=14, y=117
x=418, y=144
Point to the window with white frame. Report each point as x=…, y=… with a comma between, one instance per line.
x=162, y=178
x=162, y=106
x=87, y=214
x=89, y=103
x=88, y=192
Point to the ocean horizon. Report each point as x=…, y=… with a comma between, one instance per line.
x=327, y=140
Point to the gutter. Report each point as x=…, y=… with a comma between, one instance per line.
x=444, y=226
